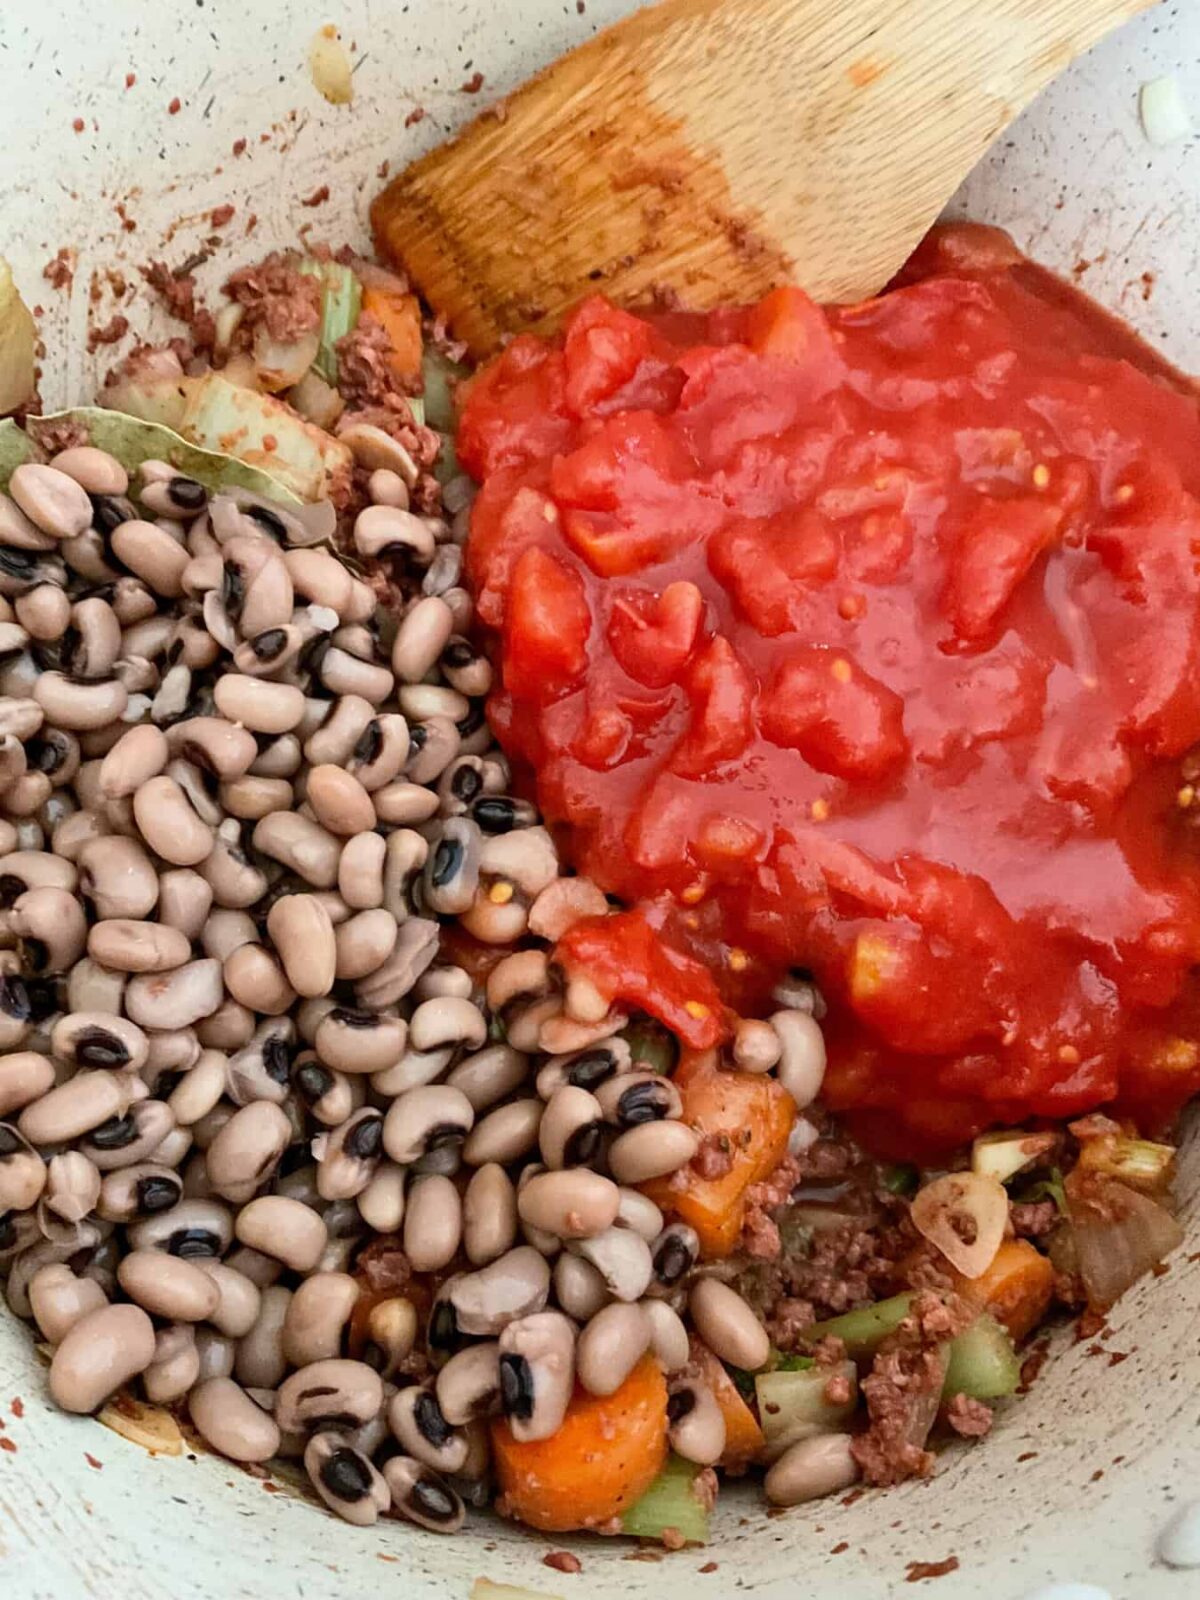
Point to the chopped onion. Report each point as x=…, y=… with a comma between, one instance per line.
x=1119, y=1236
x=1164, y=111
x=1140, y=1163
x=330, y=68
x=227, y=322
x=964, y=1216
x=280, y=363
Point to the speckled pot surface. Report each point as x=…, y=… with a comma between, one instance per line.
x=1079, y=1478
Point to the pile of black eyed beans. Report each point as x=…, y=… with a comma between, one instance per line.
x=238, y=801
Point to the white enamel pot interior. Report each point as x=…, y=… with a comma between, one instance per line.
x=1078, y=1478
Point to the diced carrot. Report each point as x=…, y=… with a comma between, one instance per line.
x=400, y=317
x=743, y=1436
x=1016, y=1288
x=755, y=1116
x=604, y=1457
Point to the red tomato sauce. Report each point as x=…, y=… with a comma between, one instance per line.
x=868, y=640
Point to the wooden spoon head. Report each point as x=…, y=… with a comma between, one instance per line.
x=708, y=150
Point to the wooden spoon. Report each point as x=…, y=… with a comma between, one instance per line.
x=715, y=148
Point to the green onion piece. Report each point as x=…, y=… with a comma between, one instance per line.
x=1050, y=1188
x=651, y=1046
x=1138, y=1162
x=669, y=1502
x=983, y=1363
x=341, y=302
x=900, y=1177
x=862, y=1332
x=792, y=1363
x=417, y=406
x=1002, y=1155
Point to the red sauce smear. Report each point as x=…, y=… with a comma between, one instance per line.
x=866, y=639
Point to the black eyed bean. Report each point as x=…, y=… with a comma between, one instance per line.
x=505, y=1134
x=578, y=1287
x=728, y=1325
x=404, y=804
x=229, y=1028
x=421, y=1496
x=24, y=1077
x=622, y=1258
x=216, y=1354
x=51, y=499
x=99, y=1353
x=811, y=1469
x=214, y=744
x=343, y=673
x=261, y=1070
x=250, y=798
x=125, y=1141
x=696, y=1422
x=420, y=639
x=348, y=1156
x=302, y=933
x=17, y=532
x=338, y=1392
x=176, y=1364
x=246, y=1151
x=184, y=901
x=229, y=1420
x=74, y=1108
x=192, y=1229
x=537, y=1373
x=169, y=823
x=638, y=1211
x=59, y=1300
x=573, y=1204
x=610, y=1346
x=651, y=1150
x=339, y=801
x=79, y=706
x=468, y=1386
x=346, y=1480
x=145, y=1190
x=801, y=1068
x=168, y=1286
x=283, y=1228
x=360, y=870
x=317, y=1317
x=138, y=756
x=451, y=873
x=426, y=1120
x=51, y=930
x=381, y=1204
x=94, y=470
x=301, y=845
x=72, y=1186
x=239, y=1299
x=571, y=1130
x=22, y=1172
x=489, y=1075
x=118, y=877
x=152, y=554
x=258, y=704
x=357, y=1042
x=638, y=1097
x=385, y=529
x=260, y=1361
x=175, y=999
x=432, y=1224
x=200, y=1088
x=234, y=880
x=756, y=1045
x=363, y=943
x=421, y=1429
x=515, y=1285
x=124, y=945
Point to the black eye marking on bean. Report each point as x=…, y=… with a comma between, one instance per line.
x=447, y=858
x=458, y=653
x=17, y=563
x=155, y=1195
x=10, y=1142
x=277, y=1059
x=350, y=1018
x=466, y=783
x=583, y=1145
x=431, y=1424
x=365, y=1139
x=267, y=521
x=644, y=1102
x=269, y=643
x=313, y=1081
x=434, y=1501
x=346, y=1476
x=233, y=590
x=11, y=889
x=109, y=511
x=443, y=1134
x=417, y=736
x=443, y=1327
x=495, y=813
x=370, y=743
x=8, y=1228
x=472, y=722
x=681, y=1404
x=97, y=1047
x=114, y=1134
x=672, y=1261
x=187, y=494
x=45, y=998
x=46, y=755
x=591, y=1068
x=14, y=999
x=194, y=1243
x=516, y=1387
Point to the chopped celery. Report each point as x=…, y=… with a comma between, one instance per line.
x=794, y=1405
x=439, y=374
x=651, y=1046
x=793, y=1364
x=341, y=302
x=862, y=1332
x=1003, y=1155
x=417, y=406
x=983, y=1363
x=901, y=1177
x=669, y=1502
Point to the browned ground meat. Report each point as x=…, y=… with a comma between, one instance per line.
x=787, y=1320
x=714, y=1158
x=365, y=377
x=276, y=293
x=112, y=333
x=968, y=1417
x=1034, y=1221
x=177, y=291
